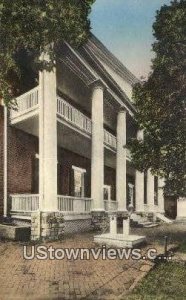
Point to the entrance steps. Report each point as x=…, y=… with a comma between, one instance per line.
x=164, y=219
x=142, y=221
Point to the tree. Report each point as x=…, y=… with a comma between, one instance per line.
x=29, y=28
x=160, y=103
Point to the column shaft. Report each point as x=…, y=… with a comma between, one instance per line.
x=139, y=191
x=121, y=161
x=150, y=191
x=139, y=183
x=97, y=160
x=161, y=204
x=48, y=141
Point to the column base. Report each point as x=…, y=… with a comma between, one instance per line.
x=47, y=226
x=100, y=220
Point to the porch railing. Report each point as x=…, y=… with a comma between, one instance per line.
x=74, y=204
x=25, y=103
x=24, y=203
x=110, y=205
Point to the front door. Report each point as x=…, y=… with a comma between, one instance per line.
x=79, y=182
x=107, y=192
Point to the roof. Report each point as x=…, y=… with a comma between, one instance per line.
x=97, y=47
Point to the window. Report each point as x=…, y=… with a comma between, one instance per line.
x=79, y=182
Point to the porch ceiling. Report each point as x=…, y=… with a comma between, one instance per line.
x=29, y=125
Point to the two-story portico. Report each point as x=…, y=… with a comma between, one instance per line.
x=64, y=146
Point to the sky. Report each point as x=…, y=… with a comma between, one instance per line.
x=125, y=28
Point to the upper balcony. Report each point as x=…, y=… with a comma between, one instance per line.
x=28, y=107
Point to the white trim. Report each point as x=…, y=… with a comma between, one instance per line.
x=79, y=169
x=5, y=161
x=37, y=156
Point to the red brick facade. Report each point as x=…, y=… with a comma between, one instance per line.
x=66, y=160
x=22, y=148
x=23, y=167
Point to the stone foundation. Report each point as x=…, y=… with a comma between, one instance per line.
x=47, y=225
x=100, y=220
x=53, y=226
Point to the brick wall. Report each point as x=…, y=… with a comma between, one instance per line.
x=66, y=160
x=22, y=148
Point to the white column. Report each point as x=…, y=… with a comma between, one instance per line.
x=139, y=183
x=150, y=191
x=121, y=161
x=113, y=224
x=161, y=203
x=97, y=159
x=126, y=226
x=5, y=195
x=48, y=141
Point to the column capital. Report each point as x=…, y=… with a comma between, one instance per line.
x=97, y=84
x=122, y=109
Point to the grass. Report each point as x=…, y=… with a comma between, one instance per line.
x=182, y=247
x=167, y=281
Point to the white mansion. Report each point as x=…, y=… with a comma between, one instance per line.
x=64, y=146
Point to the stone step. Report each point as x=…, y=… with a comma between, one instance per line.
x=164, y=219
x=151, y=225
x=148, y=224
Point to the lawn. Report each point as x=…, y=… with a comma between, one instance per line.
x=165, y=282
x=182, y=247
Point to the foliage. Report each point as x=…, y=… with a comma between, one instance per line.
x=166, y=281
x=35, y=27
x=160, y=102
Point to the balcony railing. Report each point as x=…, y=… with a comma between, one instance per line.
x=25, y=103
x=73, y=115
x=24, y=203
x=79, y=120
x=29, y=101
x=110, y=205
x=74, y=204
x=110, y=139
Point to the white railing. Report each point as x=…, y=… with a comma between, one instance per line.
x=110, y=139
x=24, y=203
x=74, y=204
x=25, y=103
x=78, y=119
x=73, y=115
x=110, y=205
